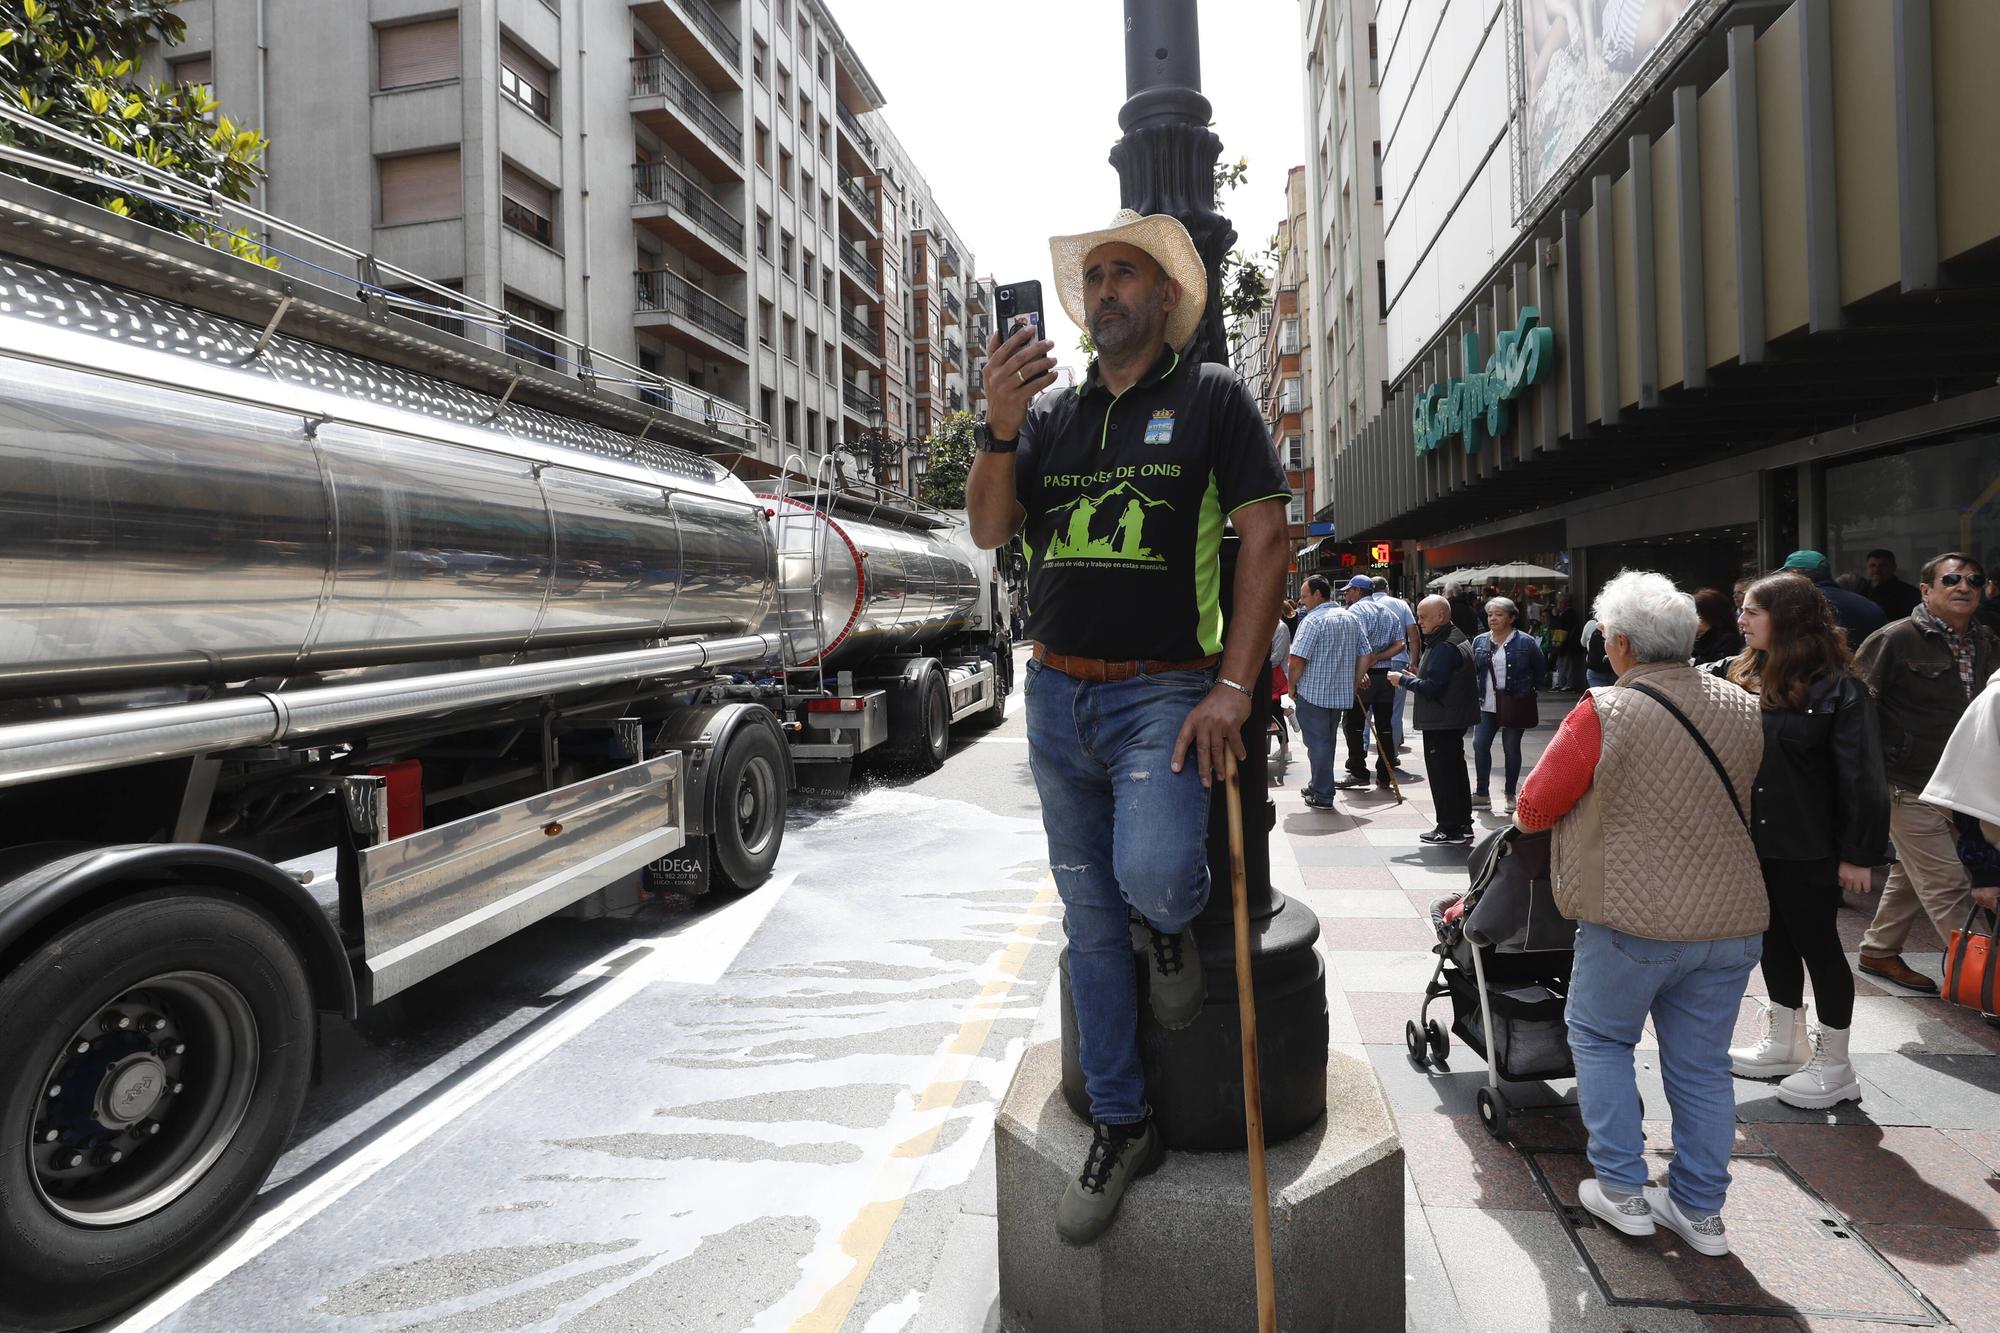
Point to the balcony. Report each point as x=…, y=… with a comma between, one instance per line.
x=858, y=400
x=664, y=292
x=672, y=203
x=952, y=307
x=975, y=298
x=948, y=260
x=856, y=144
x=854, y=260
x=954, y=355
x=859, y=202
x=859, y=334
x=704, y=40
x=954, y=401
x=673, y=104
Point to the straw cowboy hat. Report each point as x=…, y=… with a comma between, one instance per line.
x=1159, y=235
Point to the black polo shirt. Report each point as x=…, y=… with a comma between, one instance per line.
x=1126, y=498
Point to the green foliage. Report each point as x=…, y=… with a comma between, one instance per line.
x=74, y=63
x=948, y=455
x=1246, y=280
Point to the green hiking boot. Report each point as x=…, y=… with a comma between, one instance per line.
x=1179, y=987
x=1119, y=1155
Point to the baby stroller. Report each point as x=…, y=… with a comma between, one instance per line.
x=1504, y=957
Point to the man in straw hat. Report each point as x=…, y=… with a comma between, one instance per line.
x=1120, y=489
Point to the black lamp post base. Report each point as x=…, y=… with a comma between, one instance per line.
x=1194, y=1076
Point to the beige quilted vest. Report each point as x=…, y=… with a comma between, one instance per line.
x=1654, y=848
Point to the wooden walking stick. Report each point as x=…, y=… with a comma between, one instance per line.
x=1253, y=1091
x=1388, y=758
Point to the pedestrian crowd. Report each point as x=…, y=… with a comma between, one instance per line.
x=1739, y=760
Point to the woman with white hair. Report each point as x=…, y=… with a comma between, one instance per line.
x=1647, y=785
x=1509, y=666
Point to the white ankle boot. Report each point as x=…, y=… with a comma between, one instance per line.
x=1783, y=1049
x=1828, y=1078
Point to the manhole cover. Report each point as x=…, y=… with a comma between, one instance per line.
x=1790, y=1252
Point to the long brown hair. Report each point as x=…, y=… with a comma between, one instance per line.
x=1806, y=642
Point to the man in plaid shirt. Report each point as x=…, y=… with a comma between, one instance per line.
x=1324, y=661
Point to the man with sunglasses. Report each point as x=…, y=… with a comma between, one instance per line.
x=1923, y=671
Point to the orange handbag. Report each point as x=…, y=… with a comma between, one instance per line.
x=1972, y=962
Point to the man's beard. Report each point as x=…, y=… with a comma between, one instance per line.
x=1115, y=337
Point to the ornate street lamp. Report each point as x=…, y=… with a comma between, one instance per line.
x=879, y=455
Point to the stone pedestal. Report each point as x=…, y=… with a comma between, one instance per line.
x=1179, y=1255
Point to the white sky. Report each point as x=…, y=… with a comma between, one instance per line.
x=1009, y=173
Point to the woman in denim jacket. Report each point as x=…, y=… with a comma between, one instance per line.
x=1514, y=662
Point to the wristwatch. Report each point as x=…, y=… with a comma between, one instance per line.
x=989, y=443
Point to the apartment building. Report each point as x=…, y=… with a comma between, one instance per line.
x=1283, y=365
x=694, y=186
x=1345, y=273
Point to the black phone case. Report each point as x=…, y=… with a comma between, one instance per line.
x=1019, y=298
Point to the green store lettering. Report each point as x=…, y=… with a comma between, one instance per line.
x=1481, y=400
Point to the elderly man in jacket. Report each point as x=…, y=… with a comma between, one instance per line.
x=1644, y=786
x=1447, y=707
x=1923, y=671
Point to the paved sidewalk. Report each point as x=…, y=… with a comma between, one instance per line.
x=1875, y=1216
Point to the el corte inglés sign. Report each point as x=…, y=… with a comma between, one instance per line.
x=1481, y=400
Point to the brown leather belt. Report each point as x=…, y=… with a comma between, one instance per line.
x=1098, y=669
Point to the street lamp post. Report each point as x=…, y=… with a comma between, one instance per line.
x=882, y=454
x=1166, y=164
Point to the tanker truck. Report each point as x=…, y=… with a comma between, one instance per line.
x=264, y=595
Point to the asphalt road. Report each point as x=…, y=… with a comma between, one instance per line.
x=767, y=1113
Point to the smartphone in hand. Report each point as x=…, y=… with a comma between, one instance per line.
x=1016, y=304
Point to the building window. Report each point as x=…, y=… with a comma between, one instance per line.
x=819, y=64
x=1381, y=288
x=1295, y=512
x=525, y=82
x=784, y=89
x=1295, y=453
x=434, y=315
x=1289, y=398
x=812, y=352
x=785, y=170
x=1374, y=61
x=763, y=146
x=409, y=54
x=527, y=205
x=785, y=253
x=767, y=404
x=200, y=70
x=791, y=420
x=536, y=346
x=832, y=372
x=789, y=344
x=806, y=194
x=763, y=233
x=1378, y=171
x=757, y=52
x=1288, y=338
x=807, y=267
x=825, y=138
x=422, y=187
x=805, y=114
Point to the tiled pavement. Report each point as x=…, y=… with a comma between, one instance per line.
x=1885, y=1215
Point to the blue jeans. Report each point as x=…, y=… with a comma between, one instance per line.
x=1126, y=834
x=1693, y=992
x=1320, y=728
x=1482, y=753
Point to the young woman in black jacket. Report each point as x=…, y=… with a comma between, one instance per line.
x=1820, y=819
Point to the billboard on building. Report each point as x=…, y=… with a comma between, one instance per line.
x=1576, y=58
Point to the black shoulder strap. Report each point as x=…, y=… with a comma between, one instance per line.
x=1706, y=749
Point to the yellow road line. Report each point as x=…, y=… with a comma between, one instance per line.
x=863, y=1237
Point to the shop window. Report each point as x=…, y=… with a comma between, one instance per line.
x=1920, y=501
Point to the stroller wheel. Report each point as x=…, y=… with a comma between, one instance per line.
x=1493, y=1112
x=1413, y=1038
x=1439, y=1041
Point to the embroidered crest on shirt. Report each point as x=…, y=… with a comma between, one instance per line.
x=1160, y=430
x=1108, y=527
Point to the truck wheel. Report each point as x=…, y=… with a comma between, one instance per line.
x=746, y=814
x=989, y=718
x=159, y=1053
x=930, y=740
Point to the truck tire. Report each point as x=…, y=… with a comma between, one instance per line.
x=159, y=1052
x=988, y=718
x=928, y=735
x=746, y=809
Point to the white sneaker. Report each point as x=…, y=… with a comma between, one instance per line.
x=1504, y=806
x=1783, y=1048
x=1704, y=1235
x=1633, y=1215
x=1828, y=1079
